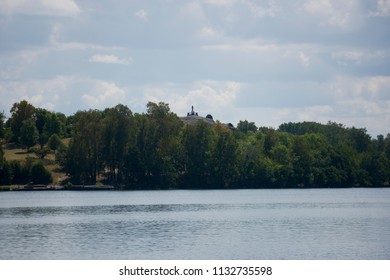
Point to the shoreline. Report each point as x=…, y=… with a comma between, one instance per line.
x=113, y=188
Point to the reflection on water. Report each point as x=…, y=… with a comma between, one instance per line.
x=239, y=224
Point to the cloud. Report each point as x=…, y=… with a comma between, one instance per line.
x=43, y=93
x=56, y=44
x=40, y=7
x=214, y=97
x=362, y=101
x=106, y=94
x=257, y=10
x=193, y=11
x=383, y=8
x=142, y=14
x=110, y=59
x=358, y=56
x=342, y=14
x=304, y=59
x=270, y=10
x=246, y=46
x=208, y=32
x=221, y=3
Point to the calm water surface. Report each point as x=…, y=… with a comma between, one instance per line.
x=217, y=224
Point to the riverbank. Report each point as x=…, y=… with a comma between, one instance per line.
x=57, y=188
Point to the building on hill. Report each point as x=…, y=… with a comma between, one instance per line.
x=192, y=118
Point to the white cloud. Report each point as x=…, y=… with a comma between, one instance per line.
x=267, y=52
x=40, y=7
x=193, y=11
x=304, y=59
x=362, y=101
x=214, y=97
x=55, y=43
x=383, y=8
x=142, y=14
x=270, y=10
x=221, y=3
x=106, y=94
x=208, y=31
x=246, y=46
x=41, y=93
x=343, y=14
x=110, y=59
x=344, y=57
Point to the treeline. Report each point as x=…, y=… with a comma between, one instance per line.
x=156, y=150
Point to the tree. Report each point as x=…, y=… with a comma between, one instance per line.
x=270, y=140
x=245, y=126
x=48, y=123
x=18, y=172
x=377, y=169
x=380, y=143
x=225, y=157
x=53, y=125
x=4, y=177
x=359, y=139
x=41, y=116
x=283, y=164
x=159, y=147
x=387, y=146
x=2, y=118
x=28, y=133
x=83, y=160
x=197, y=158
x=21, y=112
x=249, y=157
x=117, y=138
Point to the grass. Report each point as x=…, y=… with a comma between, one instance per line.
x=8, y=188
x=14, y=152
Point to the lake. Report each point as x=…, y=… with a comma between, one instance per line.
x=196, y=224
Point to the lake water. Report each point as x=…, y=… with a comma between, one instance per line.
x=196, y=224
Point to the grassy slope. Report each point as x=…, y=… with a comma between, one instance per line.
x=16, y=153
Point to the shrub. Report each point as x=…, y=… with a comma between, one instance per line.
x=39, y=174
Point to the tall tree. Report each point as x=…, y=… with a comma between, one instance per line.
x=41, y=116
x=21, y=112
x=117, y=138
x=160, y=148
x=28, y=133
x=225, y=157
x=2, y=128
x=245, y=126
x=197, y=145
x=84, y=152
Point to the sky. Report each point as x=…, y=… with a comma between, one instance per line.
x=268, y=62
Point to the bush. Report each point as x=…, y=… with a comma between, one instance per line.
x=18, y=172
x=54, y=142
x=39, y=174
x=41, y=153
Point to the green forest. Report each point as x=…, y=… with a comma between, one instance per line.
x=157, y=150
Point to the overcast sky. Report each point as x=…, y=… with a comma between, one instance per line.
x=268, y=62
